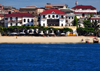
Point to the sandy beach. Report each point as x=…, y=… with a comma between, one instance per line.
x=33, y=39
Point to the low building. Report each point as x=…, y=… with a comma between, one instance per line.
x=19, y=19
x=70, y=19
x=53, y=17
x=95, y=18
x=57, y=6
x=69, y=16
x=82, y=11
x=34, y=11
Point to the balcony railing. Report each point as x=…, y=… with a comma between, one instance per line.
x=15, y=21
x=85, y=10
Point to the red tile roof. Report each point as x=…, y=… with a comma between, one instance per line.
x=83, y=7
x=19, y=15
x=1, y=15
x=52, y=11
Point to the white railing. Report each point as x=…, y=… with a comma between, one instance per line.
x=85, y=10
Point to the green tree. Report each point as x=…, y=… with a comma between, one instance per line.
x=91, y=15
x=1, y=29
x=80, y=30
x=88, y=27
x=75, y=22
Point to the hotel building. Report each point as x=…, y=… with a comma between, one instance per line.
x=19, y=19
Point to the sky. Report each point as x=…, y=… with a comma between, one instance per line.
x=40, y=3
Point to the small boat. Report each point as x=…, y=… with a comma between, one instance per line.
x=87, y=41
x=95, y=40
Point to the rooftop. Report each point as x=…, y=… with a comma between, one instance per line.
x=52, y=11
x=19, y=15
x=83, y=7
x=1, y=15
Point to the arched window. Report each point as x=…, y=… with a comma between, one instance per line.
x=62, y=16
x=10, y=18
x=24, y=20
x=43, y=16
x=11, y=24
x=48, y=16
x=56, y=16
x=16, y=18
x=53, y=16
x=28, y=20
x=31, y=20
x=16, y=24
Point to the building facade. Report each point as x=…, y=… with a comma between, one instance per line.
x=82, y=11
x=53, y=17
x=57, y=6
x=19, y=19
x=95, y=18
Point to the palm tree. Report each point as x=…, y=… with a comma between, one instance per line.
x=95, y=26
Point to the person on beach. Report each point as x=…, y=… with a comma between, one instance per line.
x=81, y=39
x=16, y=37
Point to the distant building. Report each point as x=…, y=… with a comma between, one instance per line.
x=8, y=8
x=53, y=17
x=69, y=16
x=95, y=18
x=59, y=6
x=82, y=11
x=34, y=11
x=19, y=19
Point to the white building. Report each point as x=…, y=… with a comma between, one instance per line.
x=19, y=19
x=95, y=18
x=82, y=11
x=53, y=17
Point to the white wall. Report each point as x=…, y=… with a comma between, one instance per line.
x=8, y=24
x=62, y=21
x=28, y=23
x=44, y=20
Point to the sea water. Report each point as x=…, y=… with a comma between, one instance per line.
x=49, y=57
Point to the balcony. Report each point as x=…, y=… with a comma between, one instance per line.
x=15, y=21
x=85, y=10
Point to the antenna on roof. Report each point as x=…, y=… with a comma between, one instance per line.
x=76, y=3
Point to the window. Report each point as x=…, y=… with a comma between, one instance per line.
x=16, y=24
x=43, y=24
x=61, y=24
x=43, y=16
x=28, y=20
x=32, y=25
x=56, y=16
x=31, y=20
x=24, y=20
x=72, y=17
x=69, y=17
x=53, y=16
x=11, y=24
x=10, y=18
x=16, y=18
x=48, y=16
x=62, y=16
x=6, y=18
